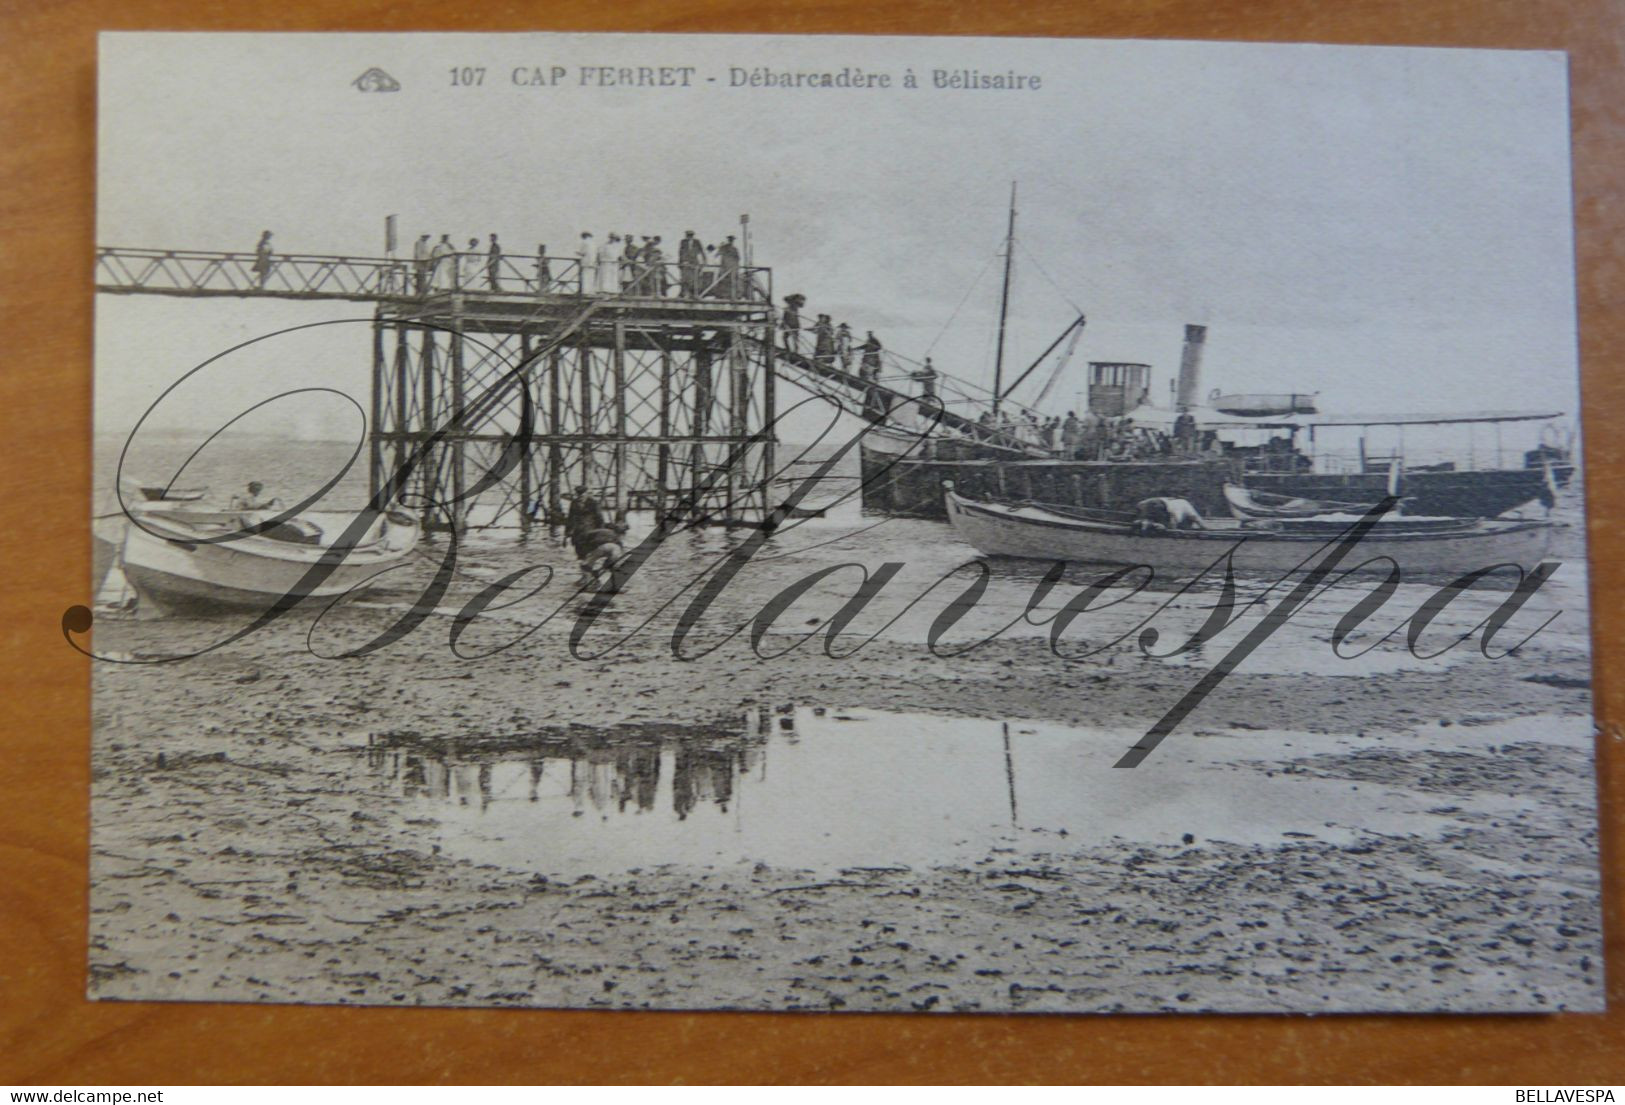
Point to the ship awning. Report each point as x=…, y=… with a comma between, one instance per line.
x=1428, y=419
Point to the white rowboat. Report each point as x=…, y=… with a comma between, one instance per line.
x=1036, y=532
x=1246, y=503
x=170, y=561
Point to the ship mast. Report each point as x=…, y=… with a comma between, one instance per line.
x=1004, y=301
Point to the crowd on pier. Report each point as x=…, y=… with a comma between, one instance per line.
x=831, y=345
x=618, y=264
x=637, y=265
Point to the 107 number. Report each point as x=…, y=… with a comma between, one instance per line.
x=467, y=76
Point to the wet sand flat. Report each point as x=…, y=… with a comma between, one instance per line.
x=244, y=849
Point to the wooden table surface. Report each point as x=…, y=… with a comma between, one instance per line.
x=49, y=1033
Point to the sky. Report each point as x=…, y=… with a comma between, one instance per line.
x=1390, y=227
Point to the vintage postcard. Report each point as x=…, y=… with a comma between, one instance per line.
x=833, y=523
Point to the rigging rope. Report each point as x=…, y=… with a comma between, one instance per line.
x=1045, y=273
x=994, y=256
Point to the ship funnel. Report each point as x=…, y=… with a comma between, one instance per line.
x=1190, y=367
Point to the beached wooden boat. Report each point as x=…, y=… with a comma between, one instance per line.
x=106, y=538
x=176, y=564
x=1418, y=546
x=1247, y=503
x=153, y=493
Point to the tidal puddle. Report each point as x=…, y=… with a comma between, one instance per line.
x=814, y=788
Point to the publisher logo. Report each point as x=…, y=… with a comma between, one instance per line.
x=376, y=80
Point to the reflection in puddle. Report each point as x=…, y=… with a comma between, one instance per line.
x=806, y=787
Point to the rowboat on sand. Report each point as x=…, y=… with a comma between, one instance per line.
x=154, y=493
x=176, y=563
x=1418, y=546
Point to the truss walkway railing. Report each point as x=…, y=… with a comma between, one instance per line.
x=894, y=388
x=369, y=279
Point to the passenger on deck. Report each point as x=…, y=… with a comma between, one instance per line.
x=1185, y=431
x=1071, y=436
x=1125, y=440
x=843, y=346
x=1096, y=436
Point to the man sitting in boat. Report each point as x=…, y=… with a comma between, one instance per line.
x=1163, y=513
x=255, y=499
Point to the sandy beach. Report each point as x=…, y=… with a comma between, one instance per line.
x=243, y=852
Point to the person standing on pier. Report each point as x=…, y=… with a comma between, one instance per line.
x=443, y=263
x=790, y=322
x=824, y=341
x=493, y=265
x=710, y=273
x=926, y=377
x=728, y=261
x=544, y=270
x=607, y=282
x=642, y=278
x=871, y=355
x=843, y=346
x=420, y=264
x=654, y=259
x=262, y=258
x=469, y=269
x=586, y=276
x=690, y=259
x=629, y=265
